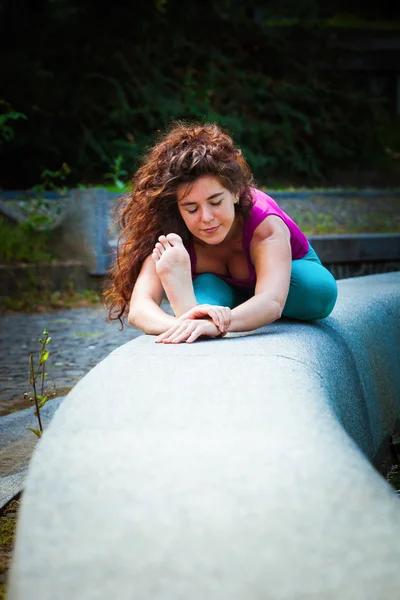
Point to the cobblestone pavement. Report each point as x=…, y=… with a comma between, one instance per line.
x=80, y=338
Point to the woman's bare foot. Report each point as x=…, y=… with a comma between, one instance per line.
x=173, y=268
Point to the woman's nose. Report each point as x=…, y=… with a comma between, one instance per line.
x=206, y=215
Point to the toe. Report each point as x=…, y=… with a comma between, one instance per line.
x=174, y=239
x=160, y=248
x=156, y=255
x=163, y=240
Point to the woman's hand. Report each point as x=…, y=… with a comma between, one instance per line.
x=220, y=315
x=188, y=331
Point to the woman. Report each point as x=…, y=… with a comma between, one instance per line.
x=225, y=255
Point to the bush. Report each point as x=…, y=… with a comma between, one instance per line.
x=127, y=70
x=19, y=242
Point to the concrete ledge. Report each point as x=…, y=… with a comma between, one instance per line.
x=357, y=247
x=15, y=279
x=231, y=469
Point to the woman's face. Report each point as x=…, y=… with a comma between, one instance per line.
x=207, y=209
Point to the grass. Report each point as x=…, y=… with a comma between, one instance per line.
x=8, y=523
x=320, y=215
x=20, y=243
x=46, y=301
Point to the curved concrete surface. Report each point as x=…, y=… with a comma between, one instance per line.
x=234, y=469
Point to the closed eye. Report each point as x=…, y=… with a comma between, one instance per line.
x=193, y=210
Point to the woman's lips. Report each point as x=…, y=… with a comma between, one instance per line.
x=211, y=230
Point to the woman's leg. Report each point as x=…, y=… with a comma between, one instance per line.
x=210, y=289
x=172, y=262
x=173, y=268
x=312, y=291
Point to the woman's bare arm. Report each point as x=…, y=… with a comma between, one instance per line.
x=144, y=310
x=271, y=255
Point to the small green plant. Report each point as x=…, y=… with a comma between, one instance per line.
x=37, y=379
x=50, y=180
x=117, y=172
x=40, y=212
x=7, y=113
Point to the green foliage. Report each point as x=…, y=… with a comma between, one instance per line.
x=38, y=210
x=37, y=377
x=38, y=296
x=22, y=243
x=50, y=180
x=7, y=114
x=125, y=78
x=116, y=173
x=29, y=240
x=319, y=215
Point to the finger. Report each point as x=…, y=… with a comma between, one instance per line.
x=194, y=336
x=221, y=324
x=166, y=339
x=227, y=317
x=200, y=330
x=182, y=334
x=222, y=319
x=196, y=311
x=175, y=334
x=166, y=334
x=207, y=328
x=182, y=337
x=213, y=315
x=210, y=311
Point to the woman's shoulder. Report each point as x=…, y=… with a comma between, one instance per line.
x=263, y=205
x=262, y=201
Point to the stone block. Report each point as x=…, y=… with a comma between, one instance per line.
x=230, y=469
x=82, y=234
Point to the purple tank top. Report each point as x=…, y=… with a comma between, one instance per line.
x=263, y=206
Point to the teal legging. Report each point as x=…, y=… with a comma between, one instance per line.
x=312, y=291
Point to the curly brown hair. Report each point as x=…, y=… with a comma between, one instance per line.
x=183, y=154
